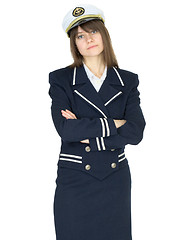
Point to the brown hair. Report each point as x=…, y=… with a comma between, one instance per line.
x=108, y=52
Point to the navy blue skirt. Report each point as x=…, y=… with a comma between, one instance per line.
x=86, y=208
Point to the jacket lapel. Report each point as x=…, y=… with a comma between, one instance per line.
x=107, y=93
x=111, y=88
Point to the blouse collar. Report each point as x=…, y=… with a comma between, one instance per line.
x=91, y=75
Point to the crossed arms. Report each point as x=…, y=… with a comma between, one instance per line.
x=107, y=133
x=69, y=115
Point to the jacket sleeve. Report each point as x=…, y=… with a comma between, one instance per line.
x=129, y=133
x=74, y=130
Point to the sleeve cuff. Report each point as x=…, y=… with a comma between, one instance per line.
x=97, y=144
x=108, y=127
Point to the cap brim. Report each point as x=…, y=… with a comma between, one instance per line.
x=84, y=20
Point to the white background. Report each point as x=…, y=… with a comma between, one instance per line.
x=150, y=38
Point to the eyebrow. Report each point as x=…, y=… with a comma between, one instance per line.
x=85, y=31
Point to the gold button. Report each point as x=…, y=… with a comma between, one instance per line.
x=112, y=149
x=87, y=149
x=87, y=167
x=113, y=165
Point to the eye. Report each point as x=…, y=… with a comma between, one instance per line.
x=94, y=31
x=80, y=36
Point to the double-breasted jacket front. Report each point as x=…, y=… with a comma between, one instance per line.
x=118, y=98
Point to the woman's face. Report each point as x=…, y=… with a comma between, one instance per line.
x=89, y=44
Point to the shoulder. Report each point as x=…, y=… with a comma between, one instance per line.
x=61, y=72
x=127, y=74
x=61, y=76
x=128, y=77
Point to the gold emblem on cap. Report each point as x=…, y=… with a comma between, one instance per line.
x=78, y=11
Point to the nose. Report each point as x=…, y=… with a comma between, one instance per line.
x=89, y=37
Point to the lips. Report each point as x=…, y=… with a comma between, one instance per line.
x=92, y=47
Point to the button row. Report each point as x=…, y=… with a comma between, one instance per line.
x=88, y=149
x=88, y=167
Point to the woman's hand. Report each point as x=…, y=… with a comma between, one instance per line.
x=85, y=141
x=119, y=123
x=69, y=115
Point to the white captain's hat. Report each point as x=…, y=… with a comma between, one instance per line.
x=80, y=14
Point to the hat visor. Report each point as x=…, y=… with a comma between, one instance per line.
x=84, y=20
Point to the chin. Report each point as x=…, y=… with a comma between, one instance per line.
x=95, y=54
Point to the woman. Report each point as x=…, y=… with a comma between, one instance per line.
x=96, y=111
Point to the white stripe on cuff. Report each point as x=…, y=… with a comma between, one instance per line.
x=102, y=142
x=107, y=127
x=103, y=127
x=98, y=144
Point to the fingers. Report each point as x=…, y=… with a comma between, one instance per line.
x=72, y=114
x=85, y=141
x=119, y=123
x=64, y=114
x=68, y=114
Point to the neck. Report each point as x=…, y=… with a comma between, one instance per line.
x=95, y=64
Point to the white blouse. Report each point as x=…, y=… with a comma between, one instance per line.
x=97, y=82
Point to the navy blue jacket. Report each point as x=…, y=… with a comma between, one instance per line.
x=118, y=98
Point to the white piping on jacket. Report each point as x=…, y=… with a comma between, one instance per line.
x=71, y=158
x=74, y=74
x=68, y=155
x=120, y=156
x=91, y=103
x=112, y=98
x=118, y=76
